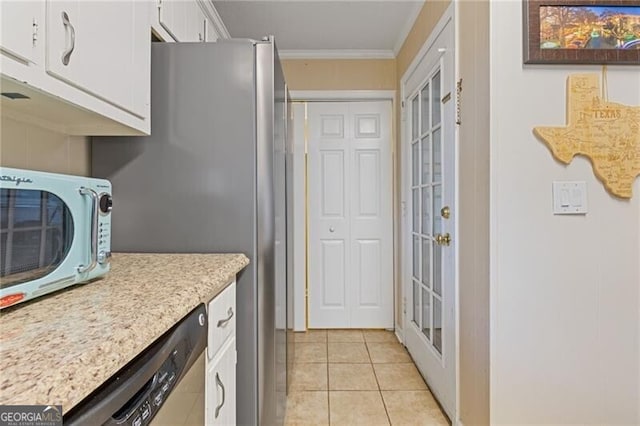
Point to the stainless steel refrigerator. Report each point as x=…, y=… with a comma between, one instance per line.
x=212, y=177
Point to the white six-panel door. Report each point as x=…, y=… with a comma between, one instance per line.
x=350, y=215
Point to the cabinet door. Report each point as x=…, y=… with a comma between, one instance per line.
x=196, y=24
x=22, y=29
x=103, y=48
x=220, y=387
x=222, y=320
x=211, y=33
x=184, y=20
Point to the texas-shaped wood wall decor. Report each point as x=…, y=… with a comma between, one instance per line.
x=608, y=133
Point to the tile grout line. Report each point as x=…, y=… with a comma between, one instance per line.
x=366, y=344
x=328, y=385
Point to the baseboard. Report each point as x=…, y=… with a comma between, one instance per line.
x=399, y=335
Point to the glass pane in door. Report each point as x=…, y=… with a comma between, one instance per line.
x=426, y=160
x=416, y=257
x=414, y=116
x=426, y=210
x=415, y=159
x=416, y=303
x=424, y=116
x=437, y=205
x=415, y=206
x=426, y=314
x=435, y=110
x=437, y=324
x=426, y=262
x=437, y=155
x=437, y=269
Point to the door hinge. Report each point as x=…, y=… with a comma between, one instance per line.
x=404, y=305
x=35, y=31
x=458, y=101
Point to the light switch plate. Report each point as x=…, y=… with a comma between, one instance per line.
x=569, y=197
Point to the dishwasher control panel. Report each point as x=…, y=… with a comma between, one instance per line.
x=146, y=404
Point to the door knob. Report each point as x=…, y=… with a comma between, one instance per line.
x=443, y=239
x=332, y=229
x=445, y=212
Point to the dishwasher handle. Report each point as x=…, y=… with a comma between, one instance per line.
x=129, y=385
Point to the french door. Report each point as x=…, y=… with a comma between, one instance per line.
x=430, y=280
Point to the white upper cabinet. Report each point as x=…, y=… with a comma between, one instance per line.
x=183, y=20
x=211, y=34
x=103, y=48
x=22, y=29
x=196, y=25
x=81, y=67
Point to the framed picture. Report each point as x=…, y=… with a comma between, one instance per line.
x=581, y=32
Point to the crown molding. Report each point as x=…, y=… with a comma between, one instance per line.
x=335, y=54
x=216, y=20
x=408, y=26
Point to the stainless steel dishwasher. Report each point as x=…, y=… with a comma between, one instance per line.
x=134, y=395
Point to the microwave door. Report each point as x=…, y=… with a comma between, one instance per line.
x=36, y=233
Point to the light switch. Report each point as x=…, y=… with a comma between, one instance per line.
x=569, y=197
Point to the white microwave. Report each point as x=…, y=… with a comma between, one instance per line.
x=55, y=231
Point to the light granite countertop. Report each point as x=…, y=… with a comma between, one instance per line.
x=57, y=349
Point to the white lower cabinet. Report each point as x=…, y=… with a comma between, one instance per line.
x=220, y=387
x=221, y=359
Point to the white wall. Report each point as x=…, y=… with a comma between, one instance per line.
x=565, y=323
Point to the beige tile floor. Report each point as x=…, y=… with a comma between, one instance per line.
x=351, y=377
x=340, y=377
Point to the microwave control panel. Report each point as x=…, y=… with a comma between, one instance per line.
x=104, y=228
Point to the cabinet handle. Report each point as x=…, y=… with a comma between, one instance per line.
x=222, y=322
x=66, y=55
x=219, y=383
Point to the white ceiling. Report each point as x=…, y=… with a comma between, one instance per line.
x=311, y=28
